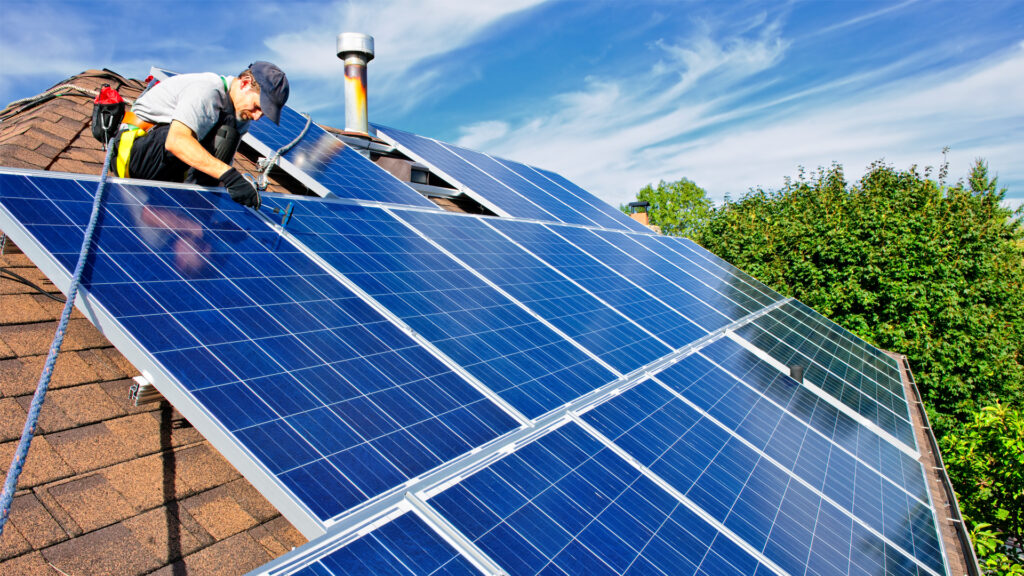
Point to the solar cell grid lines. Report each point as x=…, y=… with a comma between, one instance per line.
x=601, y=280
x=330, y=403
x=736, y=484
x=605, y=332
x=680, y=298
x=322, y=160
x=833, y=424
x=590, y=199
x=567, y=504
x=790, y=342
x=520, y=358
x=590, y=207
x=556, y=209
x=493, y=194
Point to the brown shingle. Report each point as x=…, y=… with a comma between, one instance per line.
x=165, y=536
x=35, y=523
x=12, y=543
x=110, y=550
x=252, y=501
x=6, y=352
x=285, y=533
x=23, y=308
x=91, y=502
x=34, y=339
x=236, y=555
x=219, y=513
x=91, y=447
x=103, y=366
x=203, y=468
x=28, y=565
x=12, y=419
x=20, y=376
x=147, y=482
x=43, y=464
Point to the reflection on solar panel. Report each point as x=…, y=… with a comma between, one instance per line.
x=510, y=188
x=426, y=392
x=326, y=165
x=512, y=352
x=329, y=402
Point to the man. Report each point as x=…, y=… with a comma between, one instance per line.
x=188, y=127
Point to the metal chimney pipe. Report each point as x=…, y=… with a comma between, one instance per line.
x=355, y=50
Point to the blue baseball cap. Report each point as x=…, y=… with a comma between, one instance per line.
x=273, y=88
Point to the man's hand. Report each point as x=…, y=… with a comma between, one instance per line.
x=241, y=190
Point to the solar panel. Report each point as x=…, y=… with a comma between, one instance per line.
x=610, y=335
x=442, y=393
x=619, y=291
x=506, y=348
x=832, y=423
x=772, y=508
x=588, y=198
x=683, y=296
x=790, y=342
x=405, y=545
x=319, y=399
x=567, y=504
x=328, y=166
x=468, y=178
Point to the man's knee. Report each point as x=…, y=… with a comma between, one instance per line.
x=221, y=142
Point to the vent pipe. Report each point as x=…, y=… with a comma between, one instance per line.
x=355, y=50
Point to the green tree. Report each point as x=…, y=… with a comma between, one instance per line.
x=985, y=460
x=929, y=270
x=680, y=208
x=932, y=270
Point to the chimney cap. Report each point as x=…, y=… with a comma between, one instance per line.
x=357, y=42
x=641, y=206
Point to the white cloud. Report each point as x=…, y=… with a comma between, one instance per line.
x=613, y=141
x=481, y=133
x=409, y=35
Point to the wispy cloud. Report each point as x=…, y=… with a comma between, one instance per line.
x=613, y=140
x=409, y=35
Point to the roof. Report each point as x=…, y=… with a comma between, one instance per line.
x=109, y=487
x=114, y=488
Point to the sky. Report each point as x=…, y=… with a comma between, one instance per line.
x=612, y=94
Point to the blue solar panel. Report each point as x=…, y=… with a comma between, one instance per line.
x=332, y=164
x=327, y=396
x=589, y=198
x=557, y=209
x=404, y=546
x=791, y=523
x=882, y=504
x=728, y=285
x=493, y=193
x=583, y=202
x=507, y=349
x=564, y=504
x=603, y=331
x=707, y=315
x=808, y=407
x=620, y=292
x=732, y=303
x=699, y=257
x=863, y=395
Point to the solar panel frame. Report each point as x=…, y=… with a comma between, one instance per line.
x=339, y=171
x=136, y=341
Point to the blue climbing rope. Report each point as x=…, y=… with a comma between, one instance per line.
x=11, y=483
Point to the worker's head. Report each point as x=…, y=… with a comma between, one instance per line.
x=262, y=89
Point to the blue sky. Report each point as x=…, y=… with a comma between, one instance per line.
x=612, y=94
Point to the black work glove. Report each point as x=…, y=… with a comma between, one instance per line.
x=241, y=190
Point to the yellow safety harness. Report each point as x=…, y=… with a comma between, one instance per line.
x=134, y=127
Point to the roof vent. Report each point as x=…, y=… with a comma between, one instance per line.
x=355, y=50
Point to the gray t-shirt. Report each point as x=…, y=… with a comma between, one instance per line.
x=195, y=100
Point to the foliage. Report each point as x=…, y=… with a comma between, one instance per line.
x=932, y=270
x=997, y=559
x=985, y=460
x=680, y=208
x=910, y=264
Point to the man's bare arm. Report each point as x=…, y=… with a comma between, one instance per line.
x=182, y=142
